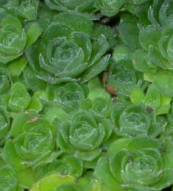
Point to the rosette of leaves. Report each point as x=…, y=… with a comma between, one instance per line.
x=135, y=164
x=19, y=98
x=137, y=121
x=31, y=144
x=109, y=31
x=26, y=9
x=8, y=178
x=155, y=38
x=154, y=58
x=66, y=183
x=13, y=37
x=113, y=7
x=69, y=95
x=83, y=135
x=74, y=5
x=67, y=51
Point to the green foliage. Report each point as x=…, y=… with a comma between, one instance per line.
x=86, y=91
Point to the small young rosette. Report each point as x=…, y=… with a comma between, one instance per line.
x=84, y=134
x=8, y=178
x=13, y=37
x=31, y=143
x=137, y=121
x=69, y=95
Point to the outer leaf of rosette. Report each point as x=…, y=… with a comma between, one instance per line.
x=140, y=61
x=90, y=183
x=5, y=80
x=96, y=69
x=76, y=5
x=163, y=80
x=51, y=182
x=154, y=99
x=103, y=174
x=33, y=31
x=109, y=8
x=31, y=81
x=17, y=66
x=138, y=2
x=129, y=31
x=149, y=35
x=96, y=90
x=77, y=22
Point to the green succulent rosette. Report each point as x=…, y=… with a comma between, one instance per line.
x=135, y=164
x=13, y=37
x=137, y=121
x=69, y=95
x=154, y=56
x=31, y=143
x=83, y=134
x=67, y=51
x=26, y=9
x=19, y=98
x=8, y=178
